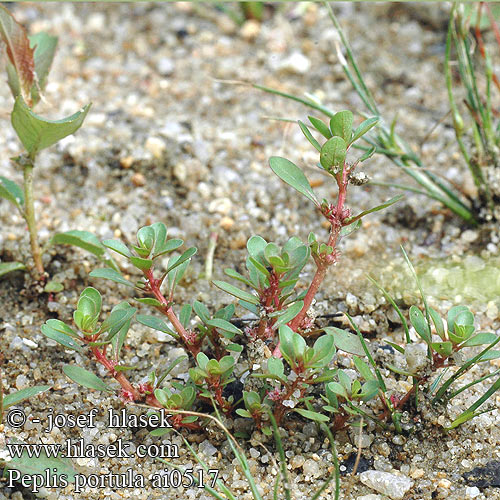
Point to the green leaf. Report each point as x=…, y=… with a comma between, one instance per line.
x=82, y=239
x=183, y=258
x=293, y=176
x=236, y=292
x=141, y=264
x=16, y=397
x=156, y=324
x=112, y=275
x=386, y=204
x=12, y=192
x=88, y=309
x=8, y=267
x=419, y=322
x=290, y=312
x=114, y=322
x=345, y=341
x=45, y=47
x=337, y=389
x=347, y=230
x=438, y=323
x=185, y=315
x=333, y=153
x=480, y=339
x=118, y=247
x=312, y=415
x=443, y=348
x=363, y=369
x=309, y=136
x=341, y=125
x=234, y=347
x=60, y=326
x=53, y=287
x=225, y=326
x=149, y=301
x=201, y=311
x=60, y=338
x=36, y=466
x=324, y=349
x=364, y=128
x=275, y=367
x=118, y=337
x=37, y=133
x=453, y=313
x=85, y=378
x=368, y=154
x=320, y=126
x=286, y=344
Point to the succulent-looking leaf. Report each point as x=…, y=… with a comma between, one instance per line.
x=82, y=239
x=346, y=341
x=443, y=348
x=112, y=275
x=309, y=136
x=320, y=126
x=290, y=312
x=291, y=174
x=85, y=378
x=225, y=326
x=156, y=324
x=16, y=397
x=37, y=133
x=118, y=247
x=364, y=128
x=333, y=153
x=19, y=52
x=11, y=191
x=183, y=258
x=60, y=338
x=386, y=204
x=341, y=125
x=236, y=292
x=312, y=415
x=8, y=267
x=38, y=466
x=480, y=339
x=419, y=322
x=347, y=230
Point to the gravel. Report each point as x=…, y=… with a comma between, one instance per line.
x=172, y=137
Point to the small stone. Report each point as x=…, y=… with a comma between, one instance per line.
x=469, y=236
x=310, y=468
x=165, y=66
x=472, y=492
x=138, y=179
x=444, y=483
x=371, y=496
x=250, y=30
x=416, y=357
x=156, y=146
x=297, y=461
x=417, y=474
x=221, y=206
x=492, y=310
x=393, y=486
x=226, y=223
x=207, y=448
x=22, y=382
x=127, y=161
x=296, y=63
x=11, y=237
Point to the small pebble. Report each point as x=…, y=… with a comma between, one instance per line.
x=138, y=179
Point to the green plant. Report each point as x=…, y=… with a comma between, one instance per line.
x=273, y=274
x=29, y=62
x=479, y=139
x=482, y=161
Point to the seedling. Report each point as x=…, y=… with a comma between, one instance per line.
x=29, y=62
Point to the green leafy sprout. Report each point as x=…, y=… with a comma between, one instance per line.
x=28, y=65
